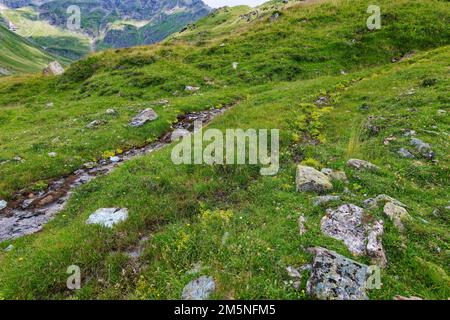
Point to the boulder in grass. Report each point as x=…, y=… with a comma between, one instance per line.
x=396, y=214
x=3, y=204
x=54, y=68
x=335, y=277
x=199, y=289
x=309, y=179
x=108, y=217
x=143, y=117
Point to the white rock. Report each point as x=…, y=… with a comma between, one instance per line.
x=52, y=154
x=111, y=112
x=396, y=214
x=114, y=159
x=3, y=204
x=9, y=248
x=199, y=289
x=235, y=65
x=108, y=217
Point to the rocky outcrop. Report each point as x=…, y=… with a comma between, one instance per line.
x=335, y=277
x=318, y=201
x=309, y=179
x=347, y=223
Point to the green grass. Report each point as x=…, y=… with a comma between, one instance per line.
x=186, y=210
x=18, y=55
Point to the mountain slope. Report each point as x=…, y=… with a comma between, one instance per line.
x=17, y=55
x=104, y=23
x=314, y=72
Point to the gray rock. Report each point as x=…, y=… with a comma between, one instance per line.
x=114, y=159
x=380, y=199
x=108, y=217
x=423, y=148
x=53, y=68
x=309, y=179
x=301, y=225
x=347, y=224
x=143, y=117
x=3, y=204
x=335, y=277
x=199, y=289
x=4, y=72
x=179, y=133
x=318, y=201
x=293, y=272
x=335, y=174
x=9, y=248
x=409, y=133
x=405, y=153
x=361, y=164
x=396, y=214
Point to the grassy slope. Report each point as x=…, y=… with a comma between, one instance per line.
x=71, y=45
x=20, y=56
x=164, y=200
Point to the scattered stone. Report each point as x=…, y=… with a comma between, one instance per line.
x=361, y=164
x=9, y=248
x=4, y=72
x=18, y=159
x=335, y=174
x=163, y=102
x=423, y=148
x=301, y=225
x=409, y=133
x=374, y=246
x=335, y=277
x=52, y=154
x=111, y=112
x=388, y=140
x=50, y=105
x=405, y=153
x=199, y=289
x=309, y=179
x=54, y=68
x=293, y=273
x=108, y=217
x=114, y=159
x=90, y=165
x=235, y=65
x=191, y=88
x=321, y=200
x=143, y=117
x=179, y=133
x=441, y=112
x=398, y=297
x=3, y=204
x=94, y=124
x=347, y=224
x=382, y=198
x=396, y=214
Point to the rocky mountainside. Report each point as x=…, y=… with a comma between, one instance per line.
x=110, y=23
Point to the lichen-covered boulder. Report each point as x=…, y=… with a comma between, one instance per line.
x=335, y=277
x=396, y=214
x=309, y=179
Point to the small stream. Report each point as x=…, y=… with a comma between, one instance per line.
x=29, y=212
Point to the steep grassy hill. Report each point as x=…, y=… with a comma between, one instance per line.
x=17, y=55
x=228, y=221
